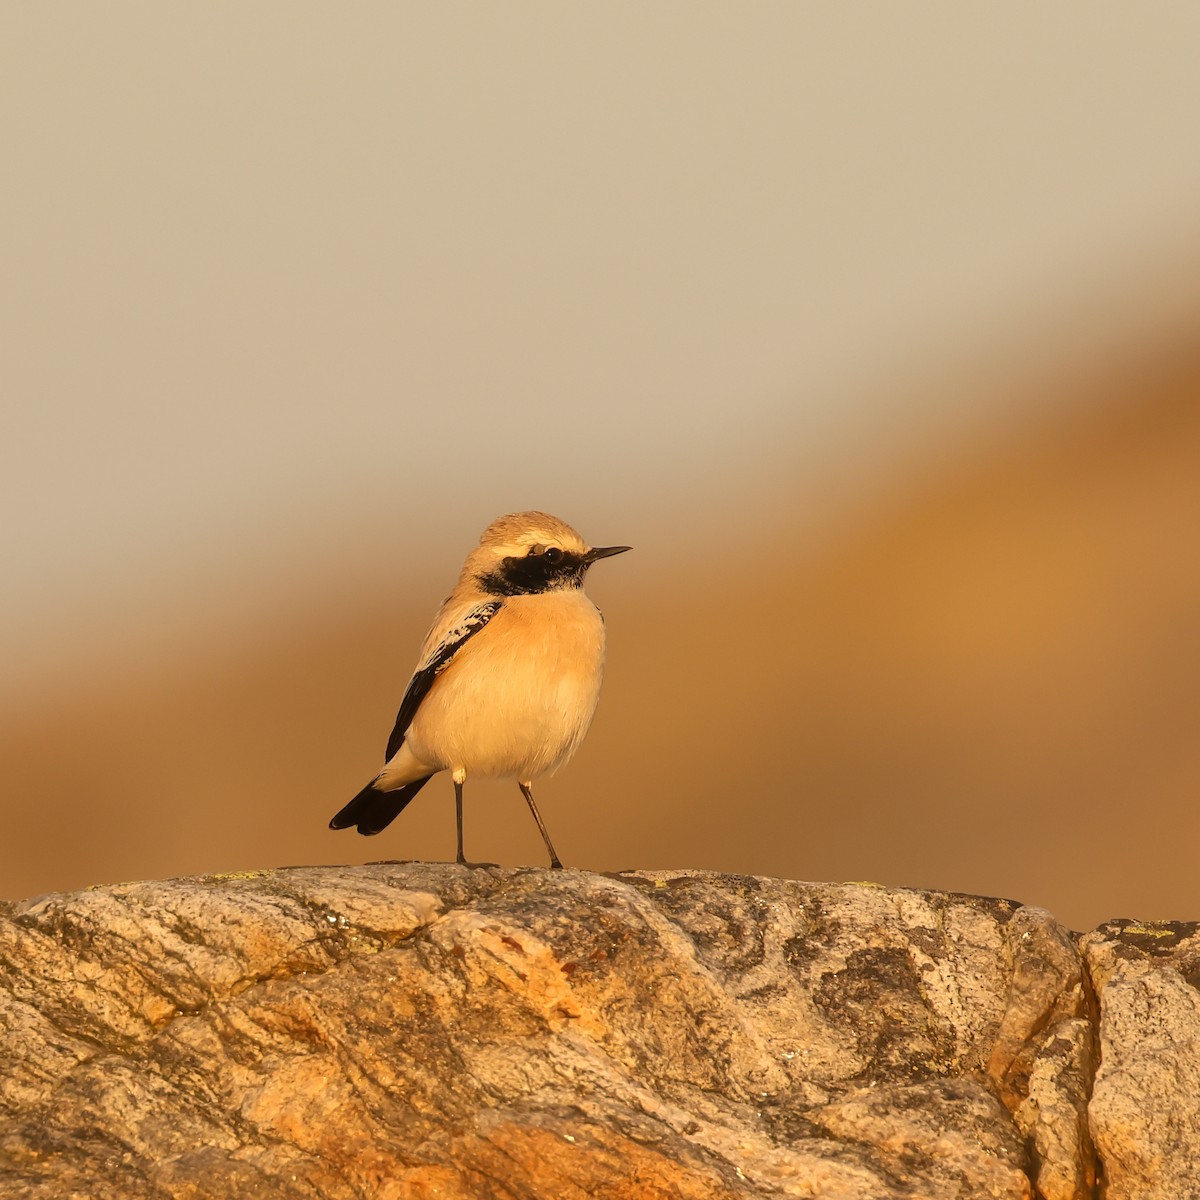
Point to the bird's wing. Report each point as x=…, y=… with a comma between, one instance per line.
x=438, y=660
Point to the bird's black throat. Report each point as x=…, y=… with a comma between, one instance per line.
x=532, y=574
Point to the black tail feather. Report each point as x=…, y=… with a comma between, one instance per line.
x=372, y=810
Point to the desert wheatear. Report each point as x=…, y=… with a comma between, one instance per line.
x=508, y=677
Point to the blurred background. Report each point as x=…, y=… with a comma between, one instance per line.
x=872, y=328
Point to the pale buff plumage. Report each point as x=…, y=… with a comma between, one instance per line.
x=517, y=697
x=491, y=713
x=517, y=701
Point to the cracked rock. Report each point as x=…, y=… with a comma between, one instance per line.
x=407, y=1030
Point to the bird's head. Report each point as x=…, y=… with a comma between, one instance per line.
x=529, y=552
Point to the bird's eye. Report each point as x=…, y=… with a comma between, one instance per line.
x=553, y=554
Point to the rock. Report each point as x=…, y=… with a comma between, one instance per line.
x=1145, y=1109
x=407, y=1030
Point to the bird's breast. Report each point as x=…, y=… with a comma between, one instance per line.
x=519, y=697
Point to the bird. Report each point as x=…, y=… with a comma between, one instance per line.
x=507, y=679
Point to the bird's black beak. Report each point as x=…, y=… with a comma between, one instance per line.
x=603, y=552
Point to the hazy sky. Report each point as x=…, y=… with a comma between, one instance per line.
x=268, y=267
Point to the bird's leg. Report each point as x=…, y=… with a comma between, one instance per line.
x=459, y=779
x=527, y=792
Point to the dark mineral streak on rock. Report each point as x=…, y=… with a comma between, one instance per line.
x=409, y=1030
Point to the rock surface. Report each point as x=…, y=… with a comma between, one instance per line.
x=409, y=1030
x=1145, y=1108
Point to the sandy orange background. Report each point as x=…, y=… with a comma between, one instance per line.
x=876, y=338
